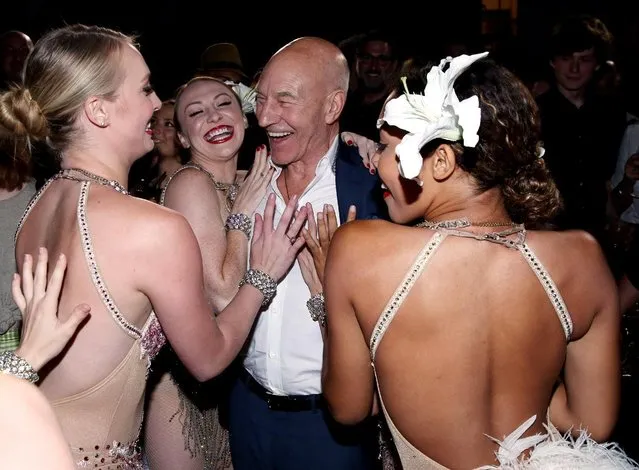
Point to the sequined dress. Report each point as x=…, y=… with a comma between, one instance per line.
x=185, y=427
x=102, y=424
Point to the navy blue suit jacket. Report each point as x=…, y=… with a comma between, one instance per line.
x=356, y=186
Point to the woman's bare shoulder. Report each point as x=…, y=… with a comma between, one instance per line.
x=370, y=241
x=141, y=220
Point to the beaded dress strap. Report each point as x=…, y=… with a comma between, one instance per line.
x=31, y=205
x=402, y=291
x=100, y=285
x=186, y=166
x=551, y=289
x=173, y=175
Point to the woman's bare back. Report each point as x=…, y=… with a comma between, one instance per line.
x=111, y=218
x=457, y=362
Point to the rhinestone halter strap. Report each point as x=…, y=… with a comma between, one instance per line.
x=446, y=228
x=230, y=190
x=402, y=291
x=151, y=333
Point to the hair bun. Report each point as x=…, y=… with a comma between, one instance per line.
x=21, y=115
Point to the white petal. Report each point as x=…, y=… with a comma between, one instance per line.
x=410, y=160
x=469, y=118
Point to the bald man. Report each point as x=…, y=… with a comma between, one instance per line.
x=278, y=420
x=15, y=46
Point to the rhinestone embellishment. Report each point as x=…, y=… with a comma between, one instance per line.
x=402, y=291
x=550, y=288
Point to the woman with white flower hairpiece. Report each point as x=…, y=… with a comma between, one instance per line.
x=480, y=331
x=184, y=428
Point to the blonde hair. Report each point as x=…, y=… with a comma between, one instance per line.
x=196, y=79
x=65, y=68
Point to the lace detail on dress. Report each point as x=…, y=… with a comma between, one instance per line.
x=402, y=291
x=550, y=288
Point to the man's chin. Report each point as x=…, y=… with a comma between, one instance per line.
x=573, y=86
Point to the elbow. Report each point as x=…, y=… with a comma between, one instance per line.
x=206, y=372
x=345, y=411
x=601, y=431
x=220, y=296
x=348, y=416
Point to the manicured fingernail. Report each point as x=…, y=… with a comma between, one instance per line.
x=349, y=142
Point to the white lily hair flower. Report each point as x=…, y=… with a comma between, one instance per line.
x=435, y=114
x=246, y=95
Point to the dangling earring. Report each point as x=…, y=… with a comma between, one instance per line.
x=419, y=182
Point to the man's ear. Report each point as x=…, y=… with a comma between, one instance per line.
x=334, y=106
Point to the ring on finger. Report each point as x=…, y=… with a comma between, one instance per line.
x=291, y=239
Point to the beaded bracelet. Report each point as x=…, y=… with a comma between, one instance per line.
x=240, y=222
x=11, y=363
x=262, y=282
x=317, y=308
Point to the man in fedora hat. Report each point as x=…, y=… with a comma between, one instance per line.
x=222, y=60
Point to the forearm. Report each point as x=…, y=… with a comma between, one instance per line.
x=566, y=416
x=234, y=324
x=222, y=284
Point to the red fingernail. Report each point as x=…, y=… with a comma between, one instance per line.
x=349, y=142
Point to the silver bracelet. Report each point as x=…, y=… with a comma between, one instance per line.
x=11, y=363
x=240, y=222
x=317, y=308
x=262, y=282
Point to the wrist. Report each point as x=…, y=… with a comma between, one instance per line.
x=315, y=288
x=15, y=364
x=317, y=308
x=261, y=281
x=239, y=221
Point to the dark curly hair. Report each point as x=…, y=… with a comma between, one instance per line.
x=507, y=154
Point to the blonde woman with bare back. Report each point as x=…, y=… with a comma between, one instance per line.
x=86, y=97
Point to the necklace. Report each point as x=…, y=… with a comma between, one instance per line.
x=71, y=174
x=230, y=190
x=462, y=223
x=452, y=227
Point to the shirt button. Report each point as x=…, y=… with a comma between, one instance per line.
x=272, y=354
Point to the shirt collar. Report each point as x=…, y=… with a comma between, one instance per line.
x=326, y=163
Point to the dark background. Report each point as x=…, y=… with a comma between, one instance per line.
x=173, y=33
